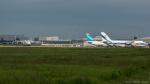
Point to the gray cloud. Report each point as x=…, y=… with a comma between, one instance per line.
x=73, y=18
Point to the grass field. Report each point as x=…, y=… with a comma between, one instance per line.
x=74, y=65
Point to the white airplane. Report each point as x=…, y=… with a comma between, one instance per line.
x=91, y=40
x=24, y=42
x=139, y=44
x=118, y=43
x=122, y=43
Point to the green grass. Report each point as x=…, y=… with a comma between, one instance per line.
x=26, y=65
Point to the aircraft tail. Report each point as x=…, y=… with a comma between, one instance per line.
x=89, y=37
x=106, y=37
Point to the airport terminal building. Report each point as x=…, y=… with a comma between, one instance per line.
x=55, y=41
x=9, y=39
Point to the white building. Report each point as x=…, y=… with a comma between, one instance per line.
x=7, y=37
x=146, y=39
x=98, y=38
x=49, y=38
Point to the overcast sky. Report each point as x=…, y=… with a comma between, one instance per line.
x=73, y=18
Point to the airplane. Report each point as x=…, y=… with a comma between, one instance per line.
x=122, y=43
x=139, y=44
x=23, y=42
x=91, y=41
x=117, y=43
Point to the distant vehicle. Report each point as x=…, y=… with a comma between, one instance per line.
x=123, y=43
x=91, y=41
